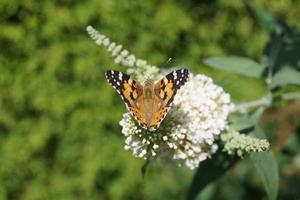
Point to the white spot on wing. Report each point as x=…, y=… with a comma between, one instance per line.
x=120, y=76
x=175, y=75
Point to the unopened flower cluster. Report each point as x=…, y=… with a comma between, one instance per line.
x=188, y=134
x=240, y=144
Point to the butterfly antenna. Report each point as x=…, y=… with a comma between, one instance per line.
x=166, y=63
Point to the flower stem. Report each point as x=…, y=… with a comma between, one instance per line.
x=245, y=107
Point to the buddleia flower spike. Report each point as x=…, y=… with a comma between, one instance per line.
x=176, y=118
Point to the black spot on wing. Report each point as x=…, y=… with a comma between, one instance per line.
x=178, y=78
x=116, y=79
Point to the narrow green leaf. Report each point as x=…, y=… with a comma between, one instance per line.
x=267, y=20
x=267, y=168
x=286, y=76
x=209, y=171
x=235, y=64
x=144, y=168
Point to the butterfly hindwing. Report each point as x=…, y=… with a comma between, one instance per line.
x=158, y=117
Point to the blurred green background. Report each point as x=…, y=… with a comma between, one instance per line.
x=59, y=131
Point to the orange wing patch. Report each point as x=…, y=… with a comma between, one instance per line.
x=128, y=90
x=165, y=91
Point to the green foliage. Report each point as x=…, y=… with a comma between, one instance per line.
x=286, y=76
x=281, y=67
x=59, y=132
x=209, y=171
x=265, y=162
x=266, y=165
x=266, y=19
x=239, y=65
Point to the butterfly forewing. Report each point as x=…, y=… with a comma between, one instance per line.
x=168, y=86
x=165, y=90
x=130, y=90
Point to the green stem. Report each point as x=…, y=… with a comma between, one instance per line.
x=245, y=107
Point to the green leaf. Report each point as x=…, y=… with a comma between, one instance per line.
x=265, y=164
x=282, y=50
x=267, y=20
x=235, y=64
x=286, y=76
x=144, y=168
x=209, y=171
x=255, y=117
x=240, y=122
x=267, y=167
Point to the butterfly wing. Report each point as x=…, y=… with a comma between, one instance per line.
x=165, y=90
x=130, y=91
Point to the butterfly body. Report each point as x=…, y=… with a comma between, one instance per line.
x=148, y=103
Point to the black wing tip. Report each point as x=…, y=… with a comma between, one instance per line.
x=108, y=72
x=115, y=73
x=185, y=69
x=181, y=71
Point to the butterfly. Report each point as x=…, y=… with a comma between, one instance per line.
x=149, y=103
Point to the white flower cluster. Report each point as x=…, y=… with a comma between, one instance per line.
x=187, y=135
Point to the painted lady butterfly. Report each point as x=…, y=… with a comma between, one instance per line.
x=148, y=104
